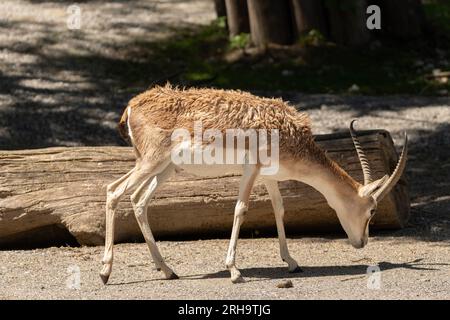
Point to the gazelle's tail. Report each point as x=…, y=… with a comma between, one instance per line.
x=122, y=125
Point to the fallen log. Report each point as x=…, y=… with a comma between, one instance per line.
x=48, y=196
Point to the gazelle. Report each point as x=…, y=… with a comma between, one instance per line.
x=151, y=118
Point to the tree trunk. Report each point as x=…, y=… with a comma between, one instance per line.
x=404, y=19
x=270, y=22
x=219, y=6
x=343, y=21
x=309, y=15
x=237, y=17
x=347, y=22
x=45, y=194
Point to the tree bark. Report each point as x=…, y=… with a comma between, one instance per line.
x=347, y=22
x=53, y=192
x=270, y=22
x=237, y=17
x=309, y=15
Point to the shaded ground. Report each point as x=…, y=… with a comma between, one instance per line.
x=62, y=87
x=67, y=87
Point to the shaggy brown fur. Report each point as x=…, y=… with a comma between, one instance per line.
x=163, y=109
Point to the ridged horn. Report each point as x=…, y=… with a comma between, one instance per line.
x=393, y=179
x=361, y=155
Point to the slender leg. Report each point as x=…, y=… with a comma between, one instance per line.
x=277, y=203
x=140, y=199
x=114, y=192
x=245, y=188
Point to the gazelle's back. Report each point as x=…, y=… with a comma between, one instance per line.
x=170, y=108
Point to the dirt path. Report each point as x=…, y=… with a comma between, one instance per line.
x=409, y=269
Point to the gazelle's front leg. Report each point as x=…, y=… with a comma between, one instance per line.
x=245, y=188
x=278, y=208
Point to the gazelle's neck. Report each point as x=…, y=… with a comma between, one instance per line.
x=329, y=179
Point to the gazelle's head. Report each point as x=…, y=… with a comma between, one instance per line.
x=355, y=215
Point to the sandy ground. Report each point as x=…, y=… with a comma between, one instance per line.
x=408, y=269
x=60, y=87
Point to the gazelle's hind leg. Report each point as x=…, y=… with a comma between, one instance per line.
x=114, y=192
x=278, y=208
x=140, y=199
x=245, y=188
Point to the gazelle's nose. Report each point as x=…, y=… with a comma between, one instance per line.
x=362, y=243
x=359, y=244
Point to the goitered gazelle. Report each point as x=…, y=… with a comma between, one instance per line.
x=149, y=121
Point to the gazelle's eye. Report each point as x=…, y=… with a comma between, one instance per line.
x=372, y=212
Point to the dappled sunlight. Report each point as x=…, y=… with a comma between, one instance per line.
x=68, y=87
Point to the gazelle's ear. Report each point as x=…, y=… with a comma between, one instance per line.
x=369, y=189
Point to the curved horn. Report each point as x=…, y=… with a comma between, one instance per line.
x=390, y=183
x=361, y=155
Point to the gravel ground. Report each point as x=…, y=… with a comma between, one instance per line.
x=62, y=87
x=409, y=269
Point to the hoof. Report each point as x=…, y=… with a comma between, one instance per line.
x=296, y=270
x=172, y=276
x=237, y=279
x=104, y=278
